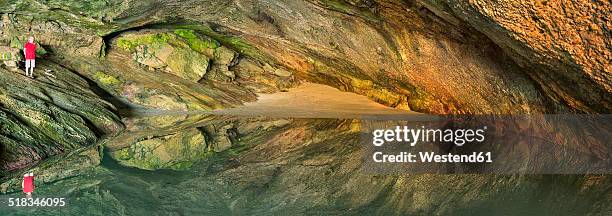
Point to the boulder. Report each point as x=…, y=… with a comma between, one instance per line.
x=224, y=56
x=167, y=52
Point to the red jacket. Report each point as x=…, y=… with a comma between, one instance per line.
x=30, y=50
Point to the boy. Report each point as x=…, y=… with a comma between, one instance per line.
x=29, y=50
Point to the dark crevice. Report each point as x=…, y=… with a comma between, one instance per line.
x=208, y=136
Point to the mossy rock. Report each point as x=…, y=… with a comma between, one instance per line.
x=175, y=151
x=197, y=42
x=182, y=54
x=106, y=79
x=233, y=42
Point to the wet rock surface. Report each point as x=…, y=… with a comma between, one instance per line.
x=168, y=52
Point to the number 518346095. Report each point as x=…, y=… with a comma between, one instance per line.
x=37, y=202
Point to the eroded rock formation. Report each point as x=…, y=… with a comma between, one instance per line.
x=517, y=58
x=431, y=56
x=53, y=115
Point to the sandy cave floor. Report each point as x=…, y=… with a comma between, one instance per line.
x=310, y=100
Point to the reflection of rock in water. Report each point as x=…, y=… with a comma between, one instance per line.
x=175, y=151
x=512, y=144
x=184, y=141
x=313, y=166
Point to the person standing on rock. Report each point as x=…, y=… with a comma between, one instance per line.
x=28, y=184
x=29, y=50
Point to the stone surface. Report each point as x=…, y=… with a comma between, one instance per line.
x=223, y=58
x=164, y=51
x=45, y=117
x=565, y=45
x=260, y=78
x=282, y=72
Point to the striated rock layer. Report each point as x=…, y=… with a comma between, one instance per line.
x=563, y=45
x=431, y=56
x=49, y=116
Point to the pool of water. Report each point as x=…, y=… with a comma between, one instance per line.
x=296, y=166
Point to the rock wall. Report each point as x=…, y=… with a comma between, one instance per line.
x=431, y=56
x=564, y=45
x=53, y=115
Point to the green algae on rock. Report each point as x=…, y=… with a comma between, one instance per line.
x=47, y=116
x=197, y=42
x=106, y=79
x=10, y=57
x=178, y=142
x=174, y=151
x=168, y=52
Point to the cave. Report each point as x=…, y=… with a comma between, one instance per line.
x=267, y=107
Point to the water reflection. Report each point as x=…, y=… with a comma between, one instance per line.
x=263, y=166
